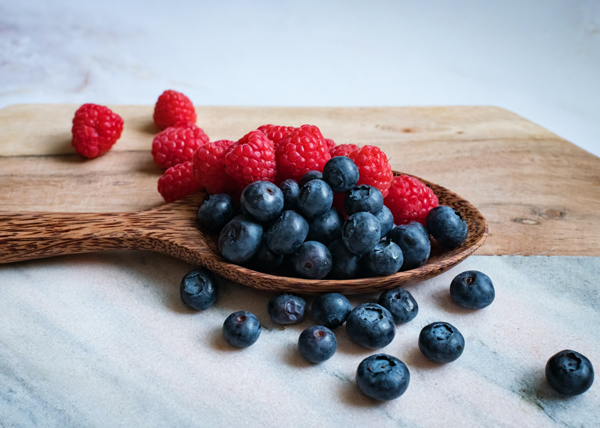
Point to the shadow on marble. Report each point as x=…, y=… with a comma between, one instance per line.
x=293, y=358
x=350, y=394
x=415, y=358
x=444, y=302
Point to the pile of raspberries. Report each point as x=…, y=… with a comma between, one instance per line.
x=270, y=153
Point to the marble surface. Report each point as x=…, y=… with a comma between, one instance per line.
x=103, y=340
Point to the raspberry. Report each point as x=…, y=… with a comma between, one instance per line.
x=410, y=200
x=95, y=130
x=374, y=168
x=178, y=182
x=208, y=167
x=330, y=144
x=176, y=145
x=250, y=159
x=343, y=150
x=173, y=107
x=276, y=133
x=303, y=150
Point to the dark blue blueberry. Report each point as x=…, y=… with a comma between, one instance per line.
x=382, y=377
x=317, y=344
x=472, y=290
x=310, y=175
x=346, y=264
x=215, y=212
x=400, y=303
x=385, y=259
x=363, y=198
x=414, y=241
x=199, y=289
x=315, y=199
x=371, y=325
x=286, y=233
x=386, y=220
x=286, y=309
x=326, y=228
x=446, y=226
x=441, y=342
x=331, y=309
x=240, y=239
x=265, y=260
x=263, y=200
x=241, y=329
x=341, y=173
x=361, y=232
x=312, y=260
x=569, y=372
x=290, y=190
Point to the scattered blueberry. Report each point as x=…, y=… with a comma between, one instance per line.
x=215, y=212
x=290, y=190
x=363, y=198
x=331, y=309
x=401, y=304
x=341, y=173
x=263, y=200
x=317, y=344
x=240, y=239
x=286, y=309
x=199, y=289
x=310, y=175
x=326, y=228
x=312, y=260
x=265, y=260
x=386, y=220
x=446, y=226
x=361, y=232
x=287, y=232
x=472, y=290
x=385, y=259
x=371, y=325
x=414, y=241
x=241, y=329
x=382, y=377
x=441, y=342
x=569, y=372
x=315, y=199
x=345, y=263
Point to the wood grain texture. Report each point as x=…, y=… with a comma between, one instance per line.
x=539, y=193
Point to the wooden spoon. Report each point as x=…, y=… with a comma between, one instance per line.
x=171, y=229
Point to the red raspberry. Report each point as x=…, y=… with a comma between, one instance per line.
x=276, y=133
x=374, y=168
x=176, y=145
x=173, y=107
x=410, y=200
x=303, y=150
x=208, y=167
x=251, y=159
x=343, y=150
x=178, y=182
x=95, y=130
x=330, y=144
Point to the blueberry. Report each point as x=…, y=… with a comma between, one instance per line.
x=441, y=342
x=290, y=190
x=345, y=263
x=312, y=260
x=472, y=290
x=569, y=372
x=331, y=309
x=215, y=212
x=401, y=304
x=363, y=198
x=286, y=309
x=386, y=220
x=286, y=233
x=240, y=239
x=414, y=241
x=310, y=175
x=447, y=226
x=263, y=200
x=265, y=260
x=361, y=232
x=326, y=228
x=315, y=199
x=317, y=344
x=199, y=289
x=371, y=325
x=385, y=259
x=241, y=329
x=382, y=377
x=341, y=173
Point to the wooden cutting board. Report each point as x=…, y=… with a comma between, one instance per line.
x=539, y=193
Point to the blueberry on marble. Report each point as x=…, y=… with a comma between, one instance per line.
x=385, y=259
x=317, y=344
x=361, y=232
x=263, y=200
x=382, y=377
x=240, y=239
x=199, y=289
x=241, y=329
x=326, y=228
x=569, y=372
x=331, y=309
x=401, y=304
x=363, y=198
x=345, y=263
x=441, y=342
x=447, y=226
x=287, y=232
x=371, y=325
x=310, y=175
x=290, y=190
x=215, y=212
x=286, y=309
x=315, y=199
x=472, y=290
x=265, y=260
x=414, y=241
x=341, y=173
x=312, y=260
x=386, y=220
